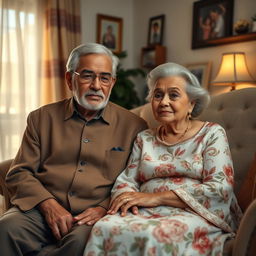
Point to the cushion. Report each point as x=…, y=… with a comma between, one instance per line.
x=247, y=191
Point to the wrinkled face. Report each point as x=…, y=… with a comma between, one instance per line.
x=170, y=102
x=93, y=95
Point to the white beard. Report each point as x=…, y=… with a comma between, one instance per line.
x=82, y=101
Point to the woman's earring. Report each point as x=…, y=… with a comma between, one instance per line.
x=189, y=115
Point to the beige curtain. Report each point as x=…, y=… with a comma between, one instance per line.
x=20, y=50
x=62, y=32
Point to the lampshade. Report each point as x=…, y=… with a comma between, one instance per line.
x=233, y=70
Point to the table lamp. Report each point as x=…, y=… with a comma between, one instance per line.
x=233, y=70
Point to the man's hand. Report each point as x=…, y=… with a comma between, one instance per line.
x=90, y=216
x=58, y=218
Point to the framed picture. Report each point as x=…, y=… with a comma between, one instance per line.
x=201, y=71
x=109, y=32
x=212, y=19
x=155, y=30
x=152, y=56
x=148, y=57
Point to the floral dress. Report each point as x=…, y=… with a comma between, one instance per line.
x=200, y=172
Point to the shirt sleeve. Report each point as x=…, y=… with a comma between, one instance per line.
x=26, y=191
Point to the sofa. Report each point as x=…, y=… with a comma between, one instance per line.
x=236, y=112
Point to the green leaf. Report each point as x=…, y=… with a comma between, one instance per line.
x=134, y=247
x=100, y=246
x=168, y=248
x=121, y=55
x=123, y=92
x=116, y=246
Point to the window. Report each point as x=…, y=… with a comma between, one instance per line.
x=19, y=71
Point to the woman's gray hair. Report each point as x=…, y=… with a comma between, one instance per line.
x=193, y=88
x=90, y=48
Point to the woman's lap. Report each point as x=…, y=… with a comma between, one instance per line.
x=153, y=232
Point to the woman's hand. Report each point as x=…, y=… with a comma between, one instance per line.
x=132, y=200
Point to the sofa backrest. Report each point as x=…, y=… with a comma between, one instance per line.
x=236, y=112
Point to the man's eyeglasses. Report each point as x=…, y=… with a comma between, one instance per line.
x=88, y=77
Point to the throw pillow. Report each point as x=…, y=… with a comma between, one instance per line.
x=247, y=191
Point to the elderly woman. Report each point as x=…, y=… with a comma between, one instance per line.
x=176, y=195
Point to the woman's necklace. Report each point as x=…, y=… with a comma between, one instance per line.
x=163, y=137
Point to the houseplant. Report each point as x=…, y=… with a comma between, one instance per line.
x=242, y=26
x=124, y=93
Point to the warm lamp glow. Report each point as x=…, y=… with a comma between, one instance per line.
x=233, y=70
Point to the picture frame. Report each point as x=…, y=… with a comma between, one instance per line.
x=152, y=56
x=202, y=71
x=148, y=58
x=212, y=20
x=155, y=30
x=110, y=32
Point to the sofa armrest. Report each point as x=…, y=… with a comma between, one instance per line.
x=4, y=167
x=245, y=241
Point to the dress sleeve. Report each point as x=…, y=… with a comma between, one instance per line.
x=128, y=180
x=213, y=196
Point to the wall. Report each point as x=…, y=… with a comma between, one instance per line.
x=118, y=8
x=177, y=33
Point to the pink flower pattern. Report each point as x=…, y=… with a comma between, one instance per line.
x=161, y=189
x=136, y=227
x=108, y=244
x=208, y=175
x=152, y=251
x=169, y=231
x=201, y=241
x=200, y=172
x=178, y=180
x=147, y=157
x=229, y=172
x=122, y=185
x=165, y=170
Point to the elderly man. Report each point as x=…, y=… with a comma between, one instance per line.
x=71, y=153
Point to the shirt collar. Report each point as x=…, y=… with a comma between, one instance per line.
x=71, y=110
x=106, y=113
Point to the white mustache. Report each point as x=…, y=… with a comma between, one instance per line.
x=97, y=93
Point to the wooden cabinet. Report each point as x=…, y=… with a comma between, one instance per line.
x=153, y=56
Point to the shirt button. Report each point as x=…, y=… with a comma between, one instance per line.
x=80, y=170
x=85, y=140
x=83, y=162
x=71, y=193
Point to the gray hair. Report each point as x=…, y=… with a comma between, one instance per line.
x=90, y=48
x=193, y=88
